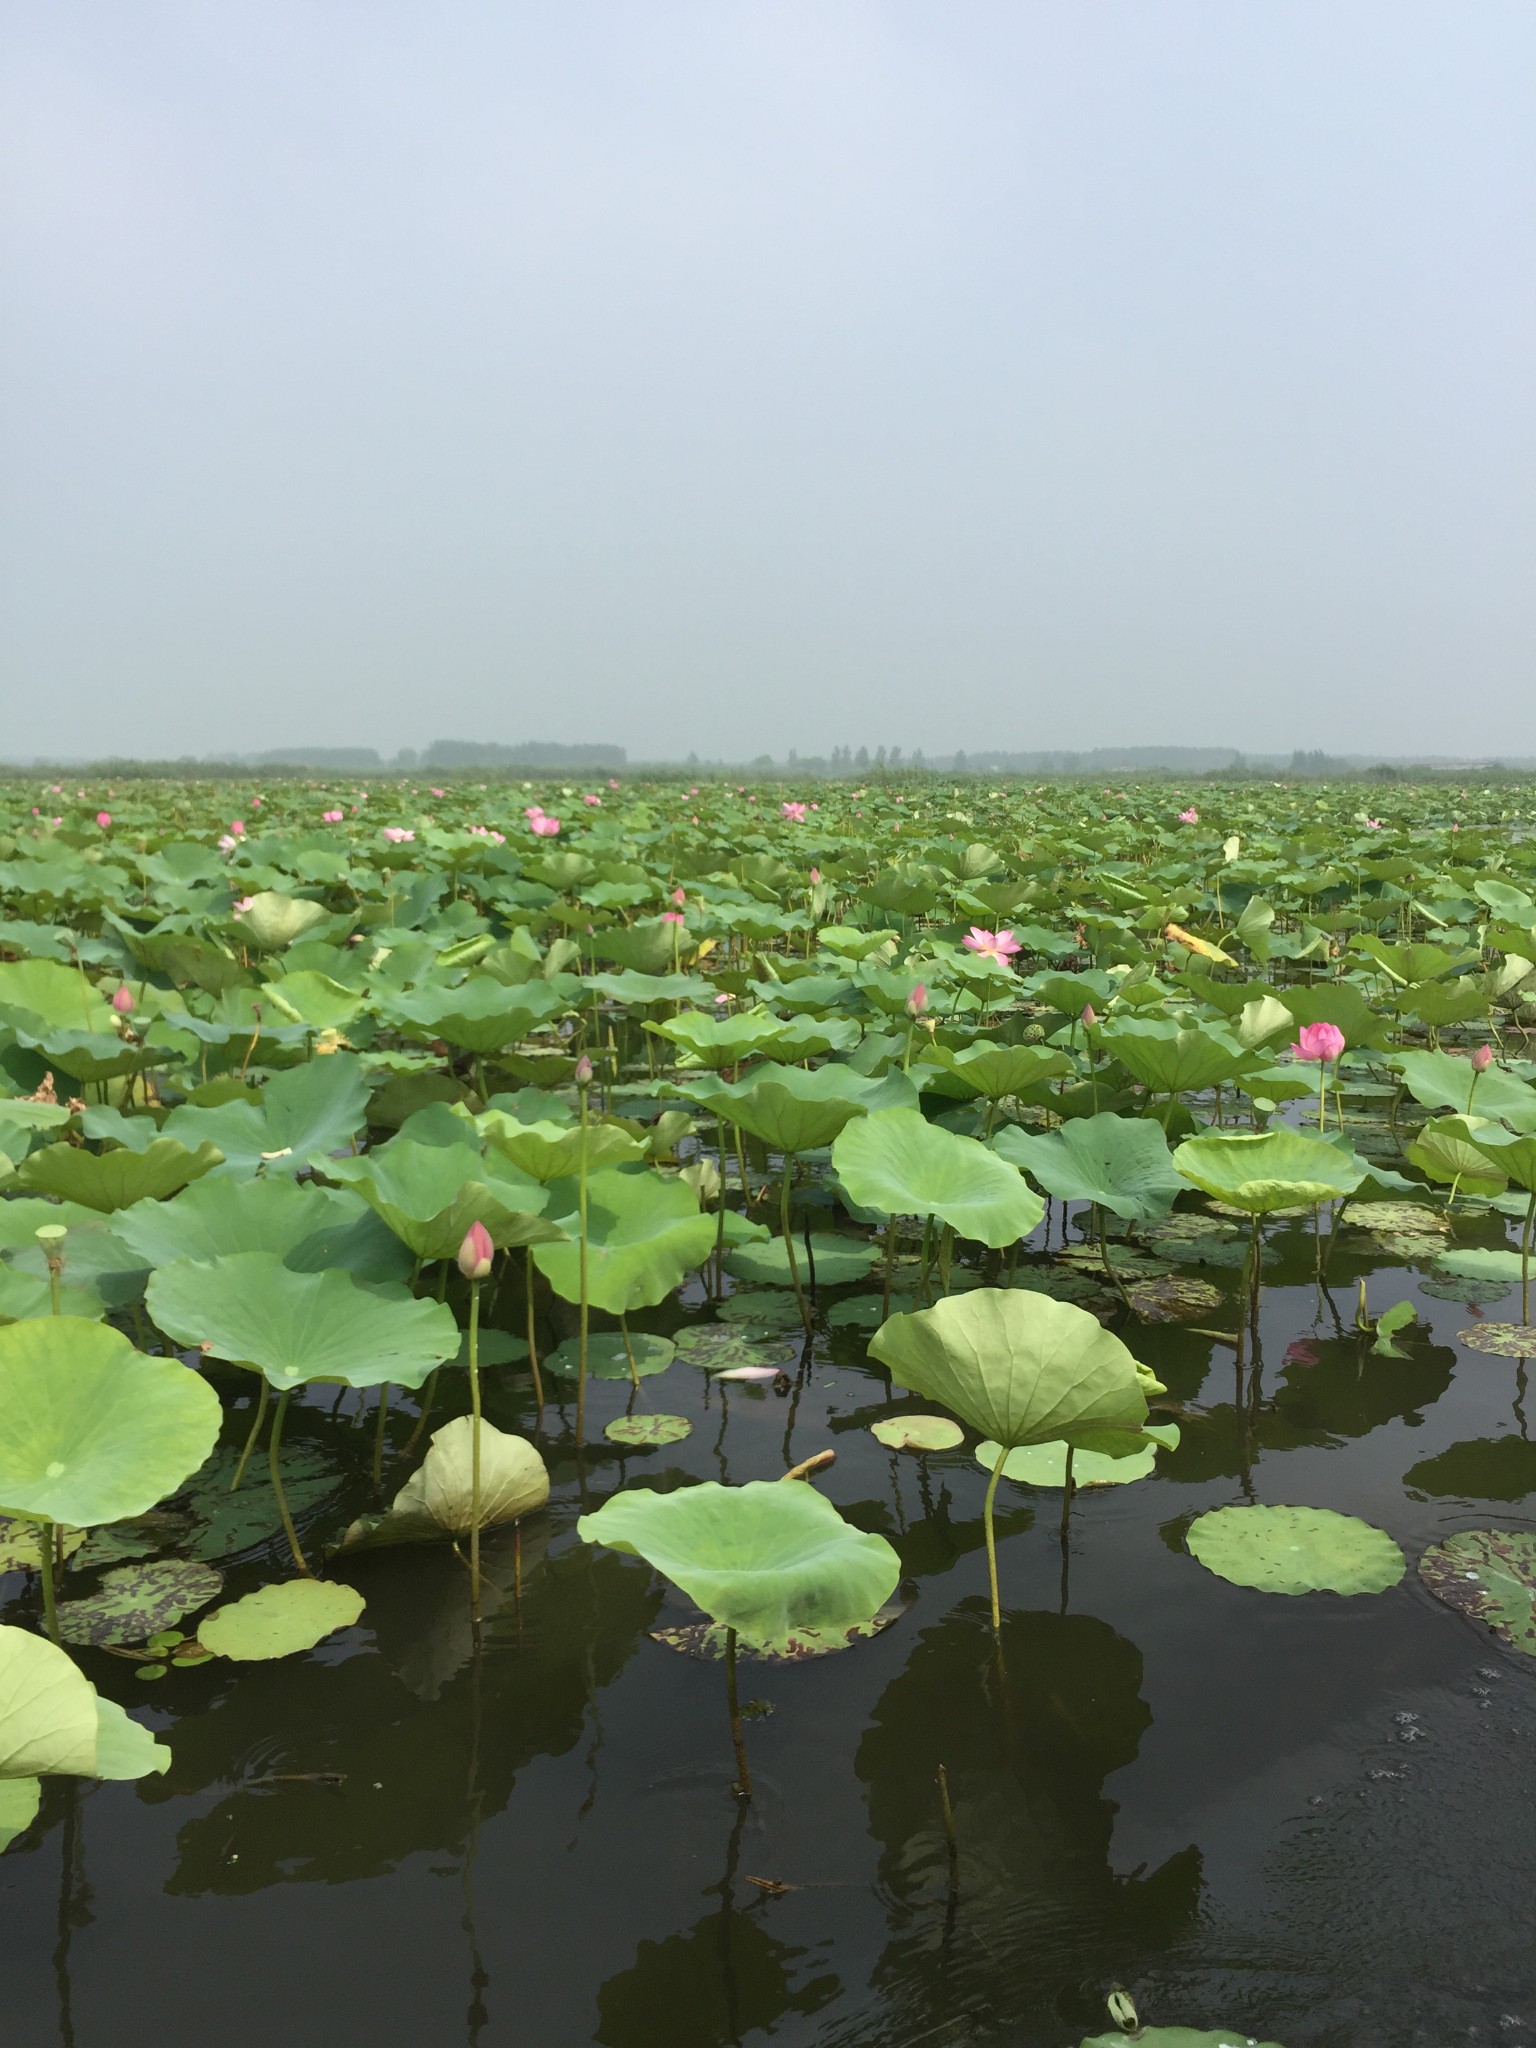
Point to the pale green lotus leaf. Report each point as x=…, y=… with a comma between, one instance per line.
x=114, y=1180
x=1295, y=1550
x=1120, y=1162
x=899, y=1164
x=436, y=1502
x=1261, y=1171
x=280, y=1620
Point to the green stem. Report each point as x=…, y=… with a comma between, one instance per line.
x=428, y=1396
x=46, y=1566
x=250, y=1443
x=274, y=1447
x=533, y=1343
x=1066, y=1496
x=986, y=1517
x=743, y=1785
x=378, y=1435
x=581, y=1348
x=1525, y=1259
x=720, y=1214
x=474, y=1452
x=789, y=1242
x=629, y=1353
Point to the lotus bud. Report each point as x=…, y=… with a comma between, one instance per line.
x=1482, y=1059
x=104, y=819
x=815, y=878
x=122, y=1002
x=476, y=1252
x=917, y=1002
x=1090, y=1016
x=583, y=1076
x=679, y=896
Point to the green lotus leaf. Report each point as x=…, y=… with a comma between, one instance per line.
x=1511, y=1154
x=720, y=1041
x=115, y=1180
x=47, y=1710
x=1019, y=1367
x=1447, y=1148
x=837, y=1259
x=899, y=1164
x=58, y=996
x=435, y=1502
x=795, y=1109
x=20, y=1544
x=1120, y=1162
x=917, y=1432
x=429, y=1195
x=554, y=1151
x=136, y=1600
x=1295, y=1550
x=767, y=1559
x=1172, y=1058
x=768, y=1307
x=20, y=1799
x=1100, y=1457
x=124, y=1749
x=645, y=1231
x=305, y=1114
x=306, y=997
x=308, y=1227
x=226, y=1523
x=718, y=1347
x=1442, y=1081
x=481, y=1017
x=271, y=920
x=280, y=1620
x=993, y=1071
x=1262, y=1171
x=90, y=1429
x=641, y=1432
x=1490, y=1576
x=609, y=1359
x=295, y=1327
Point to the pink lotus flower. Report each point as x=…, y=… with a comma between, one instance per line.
x=815, y=878
x=243, y=904
x=542, y=827
x=613, y=782
x=1090, y=1017
x=679, y=895
x=917, y=1001
x=1321, y=1041
x=476, y=1252
x=237, y=826
x=594, y=800
x=331, y=817
x=103, y=818
x=673, y=917
x=397, y=835
x=122, y=1001
x=435, y=792
x=794, y=812
x=1189, y=817
x=1373, y=824
x=997, y=946
x=227, y=842
x=722, y=999
x=1482, y=1059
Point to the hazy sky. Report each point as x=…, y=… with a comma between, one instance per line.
x=778, y=372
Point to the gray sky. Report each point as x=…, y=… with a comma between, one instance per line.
x=786, y=372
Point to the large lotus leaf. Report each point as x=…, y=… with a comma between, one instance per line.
x=482, y=1016
x=554, y=1151
x=836, y=1260
x=272, y=921
x=1512, y=1155
x=115, y=1180
x=429, y=1195
x=306, y=997
x=308, y=1227
x=280, y=1620
x=795, y=1109
x=436, y=1502
x=1295, y=1550
x=57, y=996
x=92, y=1430
x=1442, y=1081
x=1335, y=1002
x=47, y=1710
x=304, y=1114
x=720, y=1041
x=20, y=1799
x=1172, y=1058
x=1120, y=1162
x=998, y=1070
x=1100, y=1457
x=1489, y=1575
x=138, y=1600
x=295, y=1327
x=1018, y=1366
x=645, y=1231
x=898, y=1163
x=767, y=1559
x=1447, y=1148
x=124, y=1749
x=1260, y=1171
x=100, y=1273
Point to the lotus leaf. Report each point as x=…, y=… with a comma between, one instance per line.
x=917, y=1432
x=1120, y=1162
x=1295, y=1550
x=641, y=1432
x=1260, y=1172
x=115, y=1180
x=897, y=1163
x=304, y=1115
x=1490, y=1576
x=434, y=1503
x=645, y=1232
x=137, y=1600
x=280, y=1620
x=608, y=1358
x=429, y=1195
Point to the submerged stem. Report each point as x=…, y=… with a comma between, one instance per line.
x=743, y=1785
x=789, y=1242
x=274, y=1448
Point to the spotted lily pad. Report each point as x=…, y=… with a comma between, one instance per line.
x=140, y=1536
x=1490, y=1576
x=642, y=1431
x=280, y=1620
x=1067, y=1283
x=1457, y=1287
x=706, y=1639
x=19, y=1541
x=1129, y=1265
x=136, y=1600
x=917, y=1432
x=715, y=1346
x=1174, y=1298
x=867, y=1311
x=1504, y=1340
x=607, y=1359
x=1187, y=1228
x=1410, y=1219
x=1295, y=1550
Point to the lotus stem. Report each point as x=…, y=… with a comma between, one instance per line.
x=991, y=1535
x=890, y=1253
x=720, y=1212
x=429, y=1395
x=743, y=1785
x=1525, y=1259
x=474, y=1452
x=378, y=1435
x=629, y=1353
x=46, y=1569
x=529, y=1269
x=789, y=1242
x=1066, y=1497
x=250, y=1442
x=951, y=1847
x=274, y=1448
x=581, y=1342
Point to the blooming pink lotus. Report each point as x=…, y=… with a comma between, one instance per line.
x=815, y=878
x=543, y=827
x=594, y=800
x=227, y=842
x=998, y=946
x=435, y=792
x=1189, y=817
x=613, y=782
x=794, y=812
x=331, y=817
x=103, y=818
x=1321, y=1041
x=397, y=835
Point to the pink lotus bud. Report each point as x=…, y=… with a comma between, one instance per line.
x=122, y=1002
x=476, y=1252
x=673, y=917
x=1090, y=1016
x=613, y=782
x=917, y=1002
x=1189, y=817
x=1482, y=1059
x=237, y=826
x=103, y=819
x=815, y=877
x=583, y=1075
x=679, y=897
x=1320, y=1042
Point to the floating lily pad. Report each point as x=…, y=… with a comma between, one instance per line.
x=715, y=1346
x=1411, y=1219
x=1129, y=1265
x=280, y=1620
x=1457, y=1287
x=1490, y=1576
x=1187, y=1228
x=769, y=1307
x=607, y=1358
x=1066, y=1283
x=836, y=1259
x=232, y=1522
x=136, y=1600
x=642, y=1431
x=917, y=1432
x=706, y=1640
x=1295, y=1550
x=1120, y=1457
x=1504, y=1340
x=19, y=1545
x=1179, y=2037
x=1174, y=1298
x=140, y=1536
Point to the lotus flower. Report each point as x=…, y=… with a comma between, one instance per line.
x=1189, y=817
x=242, y=904
x=543, y=827
x=103, y=819
x=1321, y=1041
x=227, y=843
x=998, y=946
x=237, y=826
x=673, y=917
x=613, y=782
x=476, y=1252
x=679, y=896
x=917, y=1002
x=815, y=878
x=122, y=1001
x=1482, y=1059
x=794, y=812
x=331, y=817
x=1090, y=1016
x=436, y=792
x=595, y=801
x=397, y=835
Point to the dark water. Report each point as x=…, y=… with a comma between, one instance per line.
x=1311, y=1818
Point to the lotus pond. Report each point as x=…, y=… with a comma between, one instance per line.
x=892, y=1415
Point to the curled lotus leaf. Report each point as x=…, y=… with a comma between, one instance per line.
x=436, y=1502
x=1263, y=1173
x=1295, y=1550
